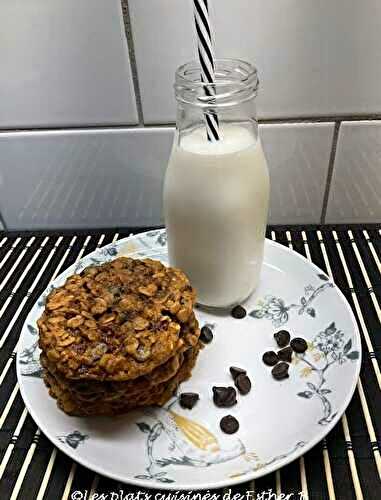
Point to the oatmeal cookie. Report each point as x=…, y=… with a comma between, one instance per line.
x=95, y=389
x=118, y=321
x=114, y=404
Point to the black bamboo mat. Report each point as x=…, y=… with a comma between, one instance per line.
x=345, y=466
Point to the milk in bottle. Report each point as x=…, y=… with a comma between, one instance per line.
x=216, y=197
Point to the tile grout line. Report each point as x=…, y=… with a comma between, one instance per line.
x=331, y=165
x=312, y=120
x=133, y=65
x=322, y=119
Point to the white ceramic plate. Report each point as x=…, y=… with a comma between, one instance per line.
x=172, y=448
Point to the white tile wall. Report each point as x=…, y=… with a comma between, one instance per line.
x=64, y=62
x=314, y=57
x=111, y=178
x=355, y=194
x=82, y=178
x=298, y=157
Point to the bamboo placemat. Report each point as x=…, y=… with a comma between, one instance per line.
x=344, y=466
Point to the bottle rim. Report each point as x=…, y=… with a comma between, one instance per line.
x=236, y=81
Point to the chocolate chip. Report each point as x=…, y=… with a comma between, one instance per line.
x=235, y=371
x=206, y=334
x=282, y=338
x=229, y=424
x=270, y=358
x=243, y=384
x=224, y=397
x=238, y=312
x=280, y=371
x=285, y=354
x=299, y=345
x=188, y=400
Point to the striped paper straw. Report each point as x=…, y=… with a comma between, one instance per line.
x=206, y=58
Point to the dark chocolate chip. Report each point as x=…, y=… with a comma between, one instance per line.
x=229, y=424
x=282, y=338
x=285, y=354
x=238, y=312
x=299, y=345
x=280, y=371
x=224, y=397
x=206, y=334
x=188, y=400
x=235, y=371
x=270, y=358
x=243, y=384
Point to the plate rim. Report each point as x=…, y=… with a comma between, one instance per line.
x=249, y=476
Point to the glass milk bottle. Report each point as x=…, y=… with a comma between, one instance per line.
x=216, y=193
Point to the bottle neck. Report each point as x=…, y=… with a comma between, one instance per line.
x=219, y=108
x=237, y=120
x=235, y=82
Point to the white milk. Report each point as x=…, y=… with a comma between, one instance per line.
x=216, y=199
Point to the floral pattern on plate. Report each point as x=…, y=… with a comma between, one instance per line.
x=327, y=349
x=275, y=308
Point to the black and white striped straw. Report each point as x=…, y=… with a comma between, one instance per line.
x=206, y=58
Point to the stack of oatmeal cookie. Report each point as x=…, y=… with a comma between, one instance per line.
x=118, y=336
